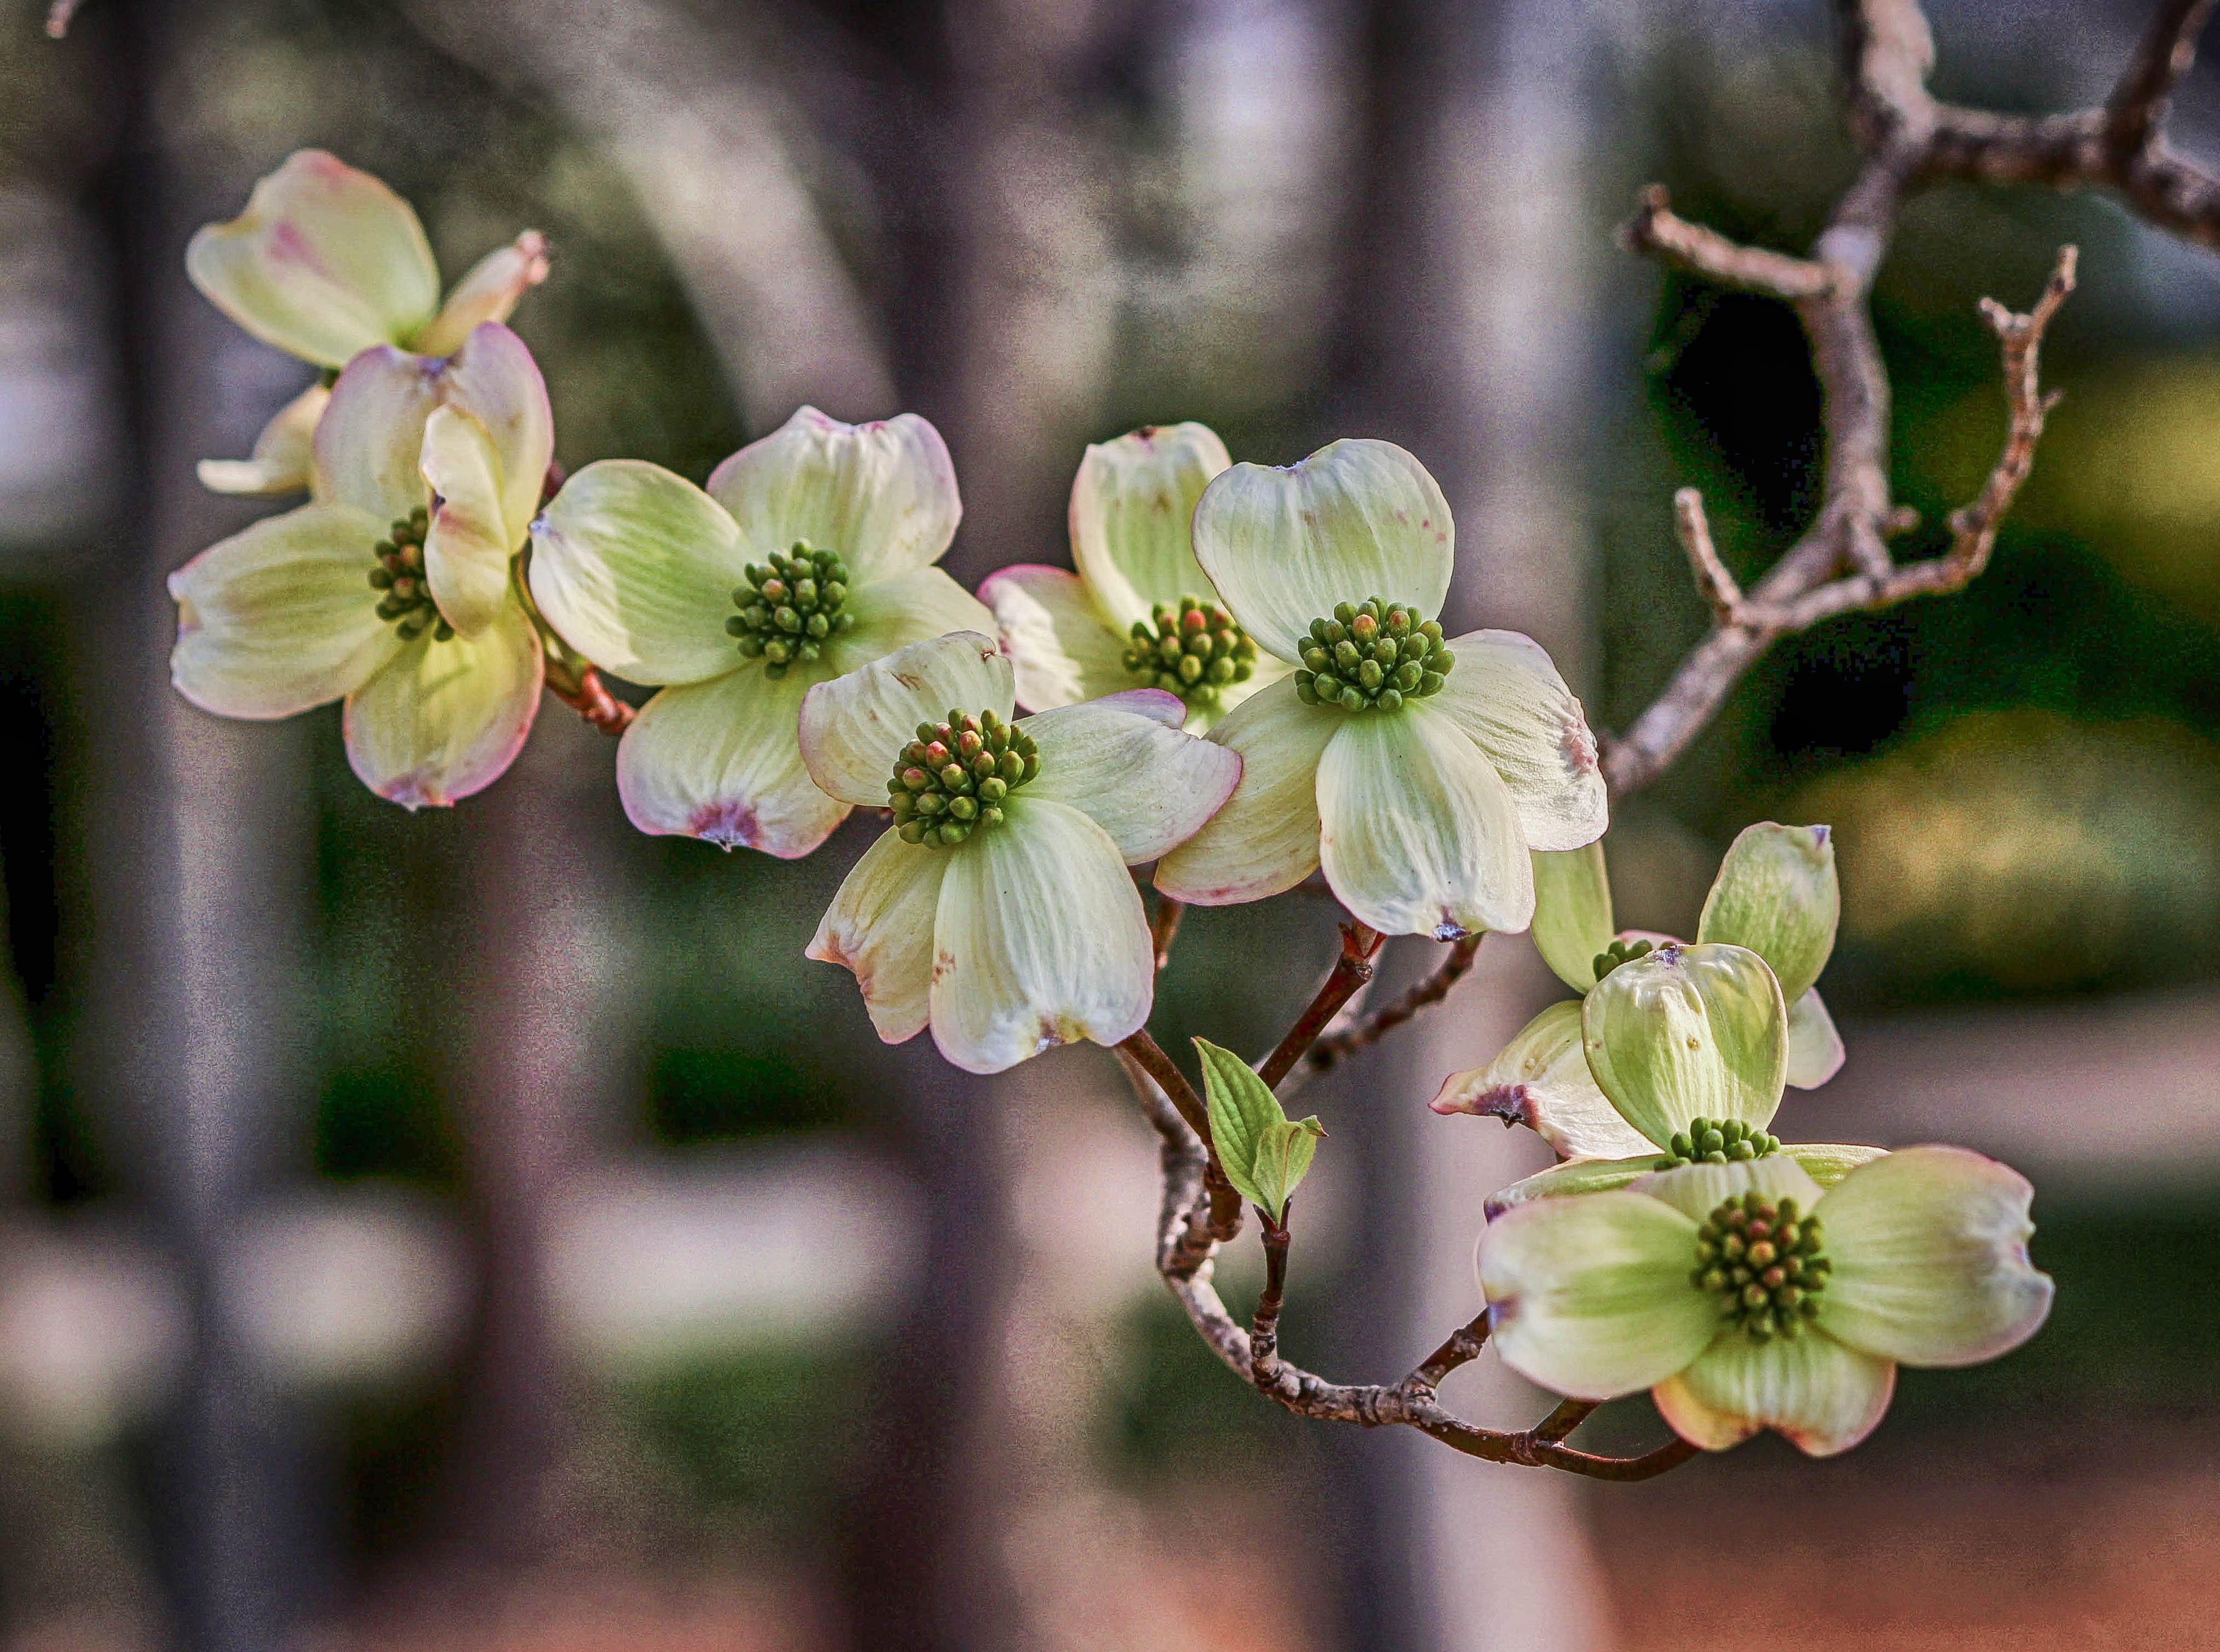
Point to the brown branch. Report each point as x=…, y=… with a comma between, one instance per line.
x=1265, y=1330
x=585, y=693
x=1359, y=947
x=1377, y=1024
x=1713, y=581
x=1163, y=928
x=1218, y=1209
x=1656, y=230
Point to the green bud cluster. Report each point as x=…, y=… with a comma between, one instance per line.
x=1372, y=654
x=789, y=607
x=1717, y=1141
x=1767, y=1265
x=1192, y=649
x=1620, y=953
x=953, y=779
x=405, y=593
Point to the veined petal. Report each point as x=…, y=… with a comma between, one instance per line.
x=280, y=617
x=721, y=761
x=635, y=567
x=880, y=928
x=1697, y=1190
x=466, y=555
x=882, y=495
x=1149, y=786
x=488, y=293
x=1572, y=912
x=1355, y=519
x=1689, y=1032
x=1929, y=1247
x=855, y=725
x=1827, y=1162
x=1420, y=835
x=1590, y=1296
x=1815, y=1048
x=493, y=377
x=1039, y=940
x=1824, y=1397
x=1776, y=893
x=1573, y=1176
x=1507, y=696
x=1132, y=513
x=1266, y=838
x=1541, y=1080
x=1063, y=651
x=909, y=607
x=326, y=261
x=367, y=444
x=444, y=719
x=284, y=452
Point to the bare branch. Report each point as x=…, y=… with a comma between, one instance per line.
x=1713, y=581
x=1359, y=947
x=584, y=692
x=1656, y=230
x=1374, y=1027
x=2137, y=109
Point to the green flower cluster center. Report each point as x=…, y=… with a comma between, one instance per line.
x=1372, y=655
x=1766, y=1263
x=1193, y=649
x=1620, y=953
x=953, y=779
x=1717, y=1141
x=790, y=606
x=404, y=593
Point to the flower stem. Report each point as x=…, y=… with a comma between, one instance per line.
x=1360, y=945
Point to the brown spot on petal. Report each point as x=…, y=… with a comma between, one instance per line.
x=944, y=962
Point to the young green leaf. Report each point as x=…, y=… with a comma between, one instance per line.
x=1264, y=1155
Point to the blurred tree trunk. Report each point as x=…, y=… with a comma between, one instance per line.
x=200, y=833
x=1473, y=338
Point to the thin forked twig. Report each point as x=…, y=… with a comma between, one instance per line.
x=1331, y=1047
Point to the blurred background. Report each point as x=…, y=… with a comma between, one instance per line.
x=484, y=1229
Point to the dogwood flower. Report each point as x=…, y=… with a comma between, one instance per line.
x=391, y=589
x=1140, y=613
x=997, y=907
x=1419, y=771
x=1687, y=1050
x=1746, y=1296
x=1775, y=894
x=325, y=263
x=809, y=557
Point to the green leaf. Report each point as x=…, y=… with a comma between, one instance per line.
x=1283, y=1158
x=1776, y=895
x=1572, y=912
x=1265, y=1157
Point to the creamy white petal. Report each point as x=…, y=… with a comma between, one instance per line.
x=1929, y=1247
x=721, y=761
x=1040, y=940
x=879, y=927
x=1055, y=638
x=914, y=606
x=1589, y=1295
x=1815, y=1048
x=444, y=719
x=326, y=261
x=635, y=567
x=1824, y=1397
x=1266, y=838
x=493, y=378
x=368, y=443
x=283, y=453
x=1697, y=1190
x=1688, y=1032
x=1573, y=1176
x=1776, y=893
x=1149, y=786
x=1132, y=514
x=466, y=555
x=882, y=495
x=1419, y=835
x=855, y=725
x=1507, y=696
x=1541, y=1080
x=489, y=293
x=1572, y=912
x=1355, y=519
x=280, y=617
